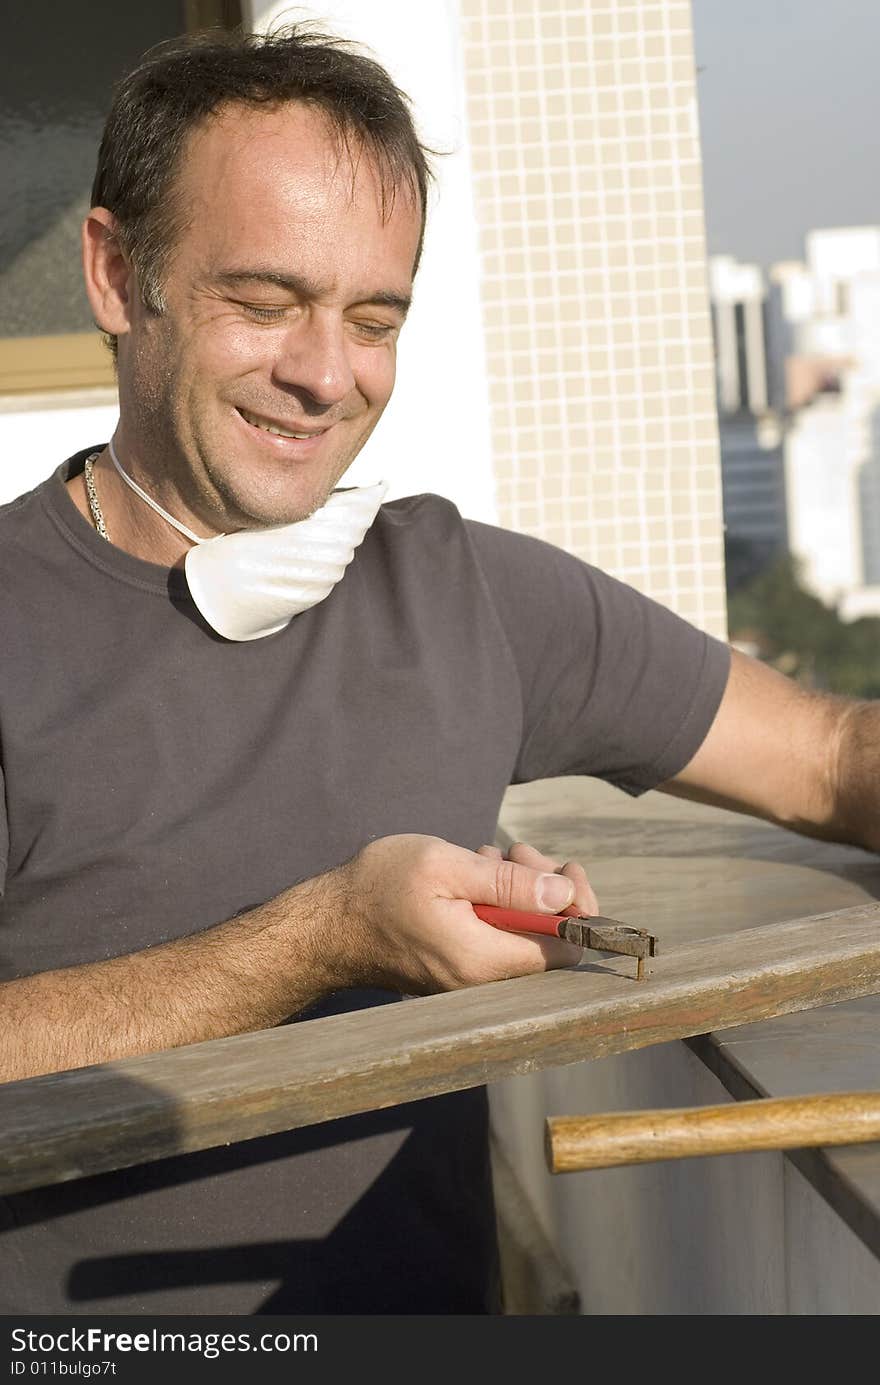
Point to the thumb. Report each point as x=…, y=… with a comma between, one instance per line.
x=511, y=886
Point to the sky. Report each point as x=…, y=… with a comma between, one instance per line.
x=789, y=97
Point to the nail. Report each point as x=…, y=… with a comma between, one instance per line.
x=555, y=892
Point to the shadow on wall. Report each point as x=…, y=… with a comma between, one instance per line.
x=385, y=1211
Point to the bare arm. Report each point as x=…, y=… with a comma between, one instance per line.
x=248, y=973
x=857, y=774
x=398, y=915
x=809, y=761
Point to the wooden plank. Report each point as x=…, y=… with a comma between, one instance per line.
x=66, y=1125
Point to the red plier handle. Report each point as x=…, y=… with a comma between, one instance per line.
x=518, y=921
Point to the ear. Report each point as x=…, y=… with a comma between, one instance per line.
x=109, y=277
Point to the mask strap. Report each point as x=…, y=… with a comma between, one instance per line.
x=175, y=523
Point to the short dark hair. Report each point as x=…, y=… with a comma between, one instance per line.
x=178, y=84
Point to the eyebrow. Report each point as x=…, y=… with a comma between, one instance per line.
x=306, y=288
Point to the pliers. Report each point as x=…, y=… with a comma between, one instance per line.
x=600, y=934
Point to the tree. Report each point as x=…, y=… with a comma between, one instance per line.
x=798, y=633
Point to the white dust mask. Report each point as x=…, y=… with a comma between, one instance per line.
x=253, y=583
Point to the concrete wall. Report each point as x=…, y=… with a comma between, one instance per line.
x=435, y=433
x=584, y=137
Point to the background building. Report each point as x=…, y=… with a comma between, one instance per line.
x=832, y=304
x=797, y=357
x=749, y=386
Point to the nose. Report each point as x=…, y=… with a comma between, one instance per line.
x=313, y=358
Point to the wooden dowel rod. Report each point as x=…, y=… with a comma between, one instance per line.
x=639, y=1137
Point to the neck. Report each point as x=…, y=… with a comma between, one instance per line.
x=150, y=502
x=131, y=524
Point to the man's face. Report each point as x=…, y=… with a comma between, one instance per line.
x=285, y=295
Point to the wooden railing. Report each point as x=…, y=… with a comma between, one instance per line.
x=90, y=1120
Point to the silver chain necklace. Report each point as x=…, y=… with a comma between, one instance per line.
x=95, y=505
x=92, y=495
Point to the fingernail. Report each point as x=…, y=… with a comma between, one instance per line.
x=555, y=892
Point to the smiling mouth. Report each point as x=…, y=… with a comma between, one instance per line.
x=267, y=426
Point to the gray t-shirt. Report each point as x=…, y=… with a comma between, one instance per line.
x=159, y=779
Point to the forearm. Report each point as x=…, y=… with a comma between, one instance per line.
x=398, y=915
x=808, y=761
x=856, y=775
x=249, y=973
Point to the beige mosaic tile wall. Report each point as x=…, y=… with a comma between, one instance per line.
x=584, y=138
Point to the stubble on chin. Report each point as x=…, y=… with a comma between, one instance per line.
x=240, y=515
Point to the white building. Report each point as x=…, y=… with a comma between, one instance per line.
x=822, y=451
x=832, y=460
x=737, y=293
x=749, y=393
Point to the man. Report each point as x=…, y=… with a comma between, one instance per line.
x=199, y=775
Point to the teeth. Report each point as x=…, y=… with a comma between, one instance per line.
x=270, y=427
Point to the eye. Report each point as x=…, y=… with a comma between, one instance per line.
x=374, y=331
x=262, y=314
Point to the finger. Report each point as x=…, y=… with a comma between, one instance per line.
x=506, y=953
x=585, y=901
x=526, y=855
x=496, y=880
x=494, y=851
x=555, y=953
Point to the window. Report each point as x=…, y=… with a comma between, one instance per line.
x=56, y=79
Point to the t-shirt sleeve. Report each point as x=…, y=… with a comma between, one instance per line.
x=613, y=684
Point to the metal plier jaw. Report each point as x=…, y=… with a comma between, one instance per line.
x=607, y=935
